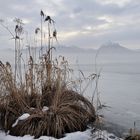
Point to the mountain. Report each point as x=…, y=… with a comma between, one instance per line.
x=114, y=48
x=74, y=49
x=137, y=50
x=107, y=48
x=69, y=49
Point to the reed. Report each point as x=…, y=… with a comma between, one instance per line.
x=45, y=85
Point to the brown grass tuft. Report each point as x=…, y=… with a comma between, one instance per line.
x=42, y=84
x=67, y=112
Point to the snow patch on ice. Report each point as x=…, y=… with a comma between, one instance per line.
x=21, y=118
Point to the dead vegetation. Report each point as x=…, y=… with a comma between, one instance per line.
x=134, y=134
x=42, y=85
x=134, y=137
x=67, y=111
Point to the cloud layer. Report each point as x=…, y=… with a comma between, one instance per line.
x=83, y=23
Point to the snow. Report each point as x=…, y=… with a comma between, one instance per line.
x=86, y=135
x=3, y=136
x=45, y=108
x=21, y=118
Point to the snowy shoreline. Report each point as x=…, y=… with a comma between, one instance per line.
x=85, y=135
x=107, y=131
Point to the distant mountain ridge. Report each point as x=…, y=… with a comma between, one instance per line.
x=74, y=49
x=106, y=48
x=114, y=48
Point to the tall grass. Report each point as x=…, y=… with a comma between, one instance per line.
x=43, y=84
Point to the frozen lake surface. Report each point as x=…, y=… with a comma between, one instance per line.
x=119, y=83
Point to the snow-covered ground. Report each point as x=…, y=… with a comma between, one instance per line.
x=86, y=135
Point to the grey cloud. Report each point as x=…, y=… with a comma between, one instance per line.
x=74, y=15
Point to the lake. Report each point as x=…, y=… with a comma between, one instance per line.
x=119, y=83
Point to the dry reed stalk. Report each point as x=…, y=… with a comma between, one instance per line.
x=68, y=111
x=45, y=85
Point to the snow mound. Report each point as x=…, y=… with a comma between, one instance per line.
x=21, y=118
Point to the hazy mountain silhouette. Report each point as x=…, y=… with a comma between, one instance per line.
x=74, y=49
x=106, y=48
x=114, y=48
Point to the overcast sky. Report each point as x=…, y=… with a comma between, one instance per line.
x=82, y=23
